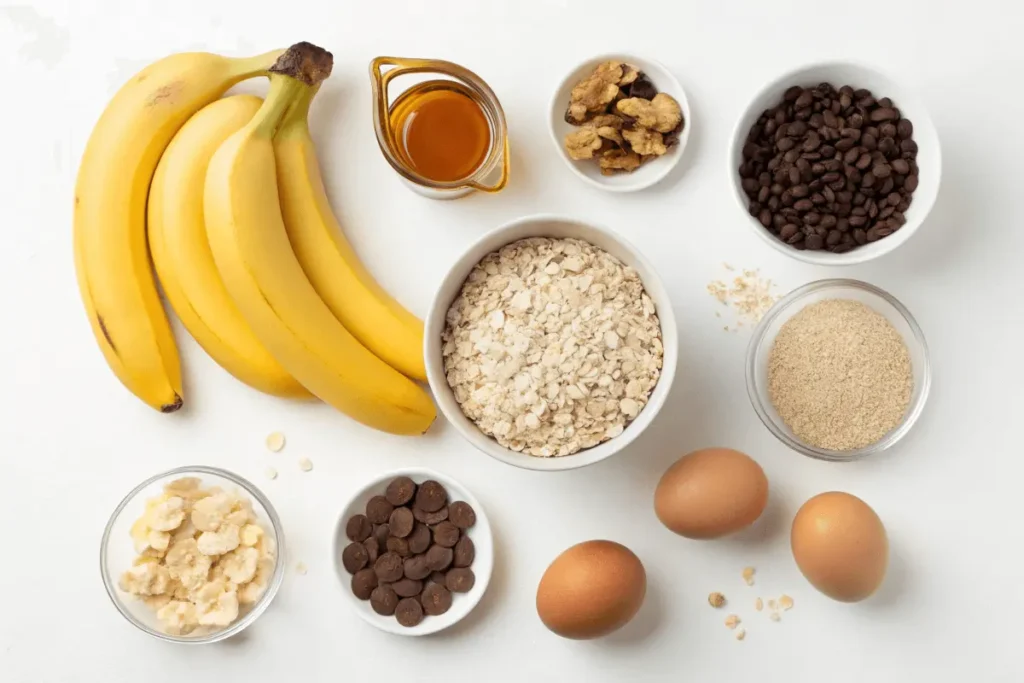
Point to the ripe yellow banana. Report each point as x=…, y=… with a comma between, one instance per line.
x=357, y=301
x=111, y=258
x=181, y=251
x=250, y=246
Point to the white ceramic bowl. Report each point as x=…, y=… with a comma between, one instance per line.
x=929, y=156
x=547, y=226
x=117, y=551
x=649, y=173
x=483, y=561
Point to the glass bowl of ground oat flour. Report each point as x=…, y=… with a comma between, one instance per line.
x=551, y=344
x=838, y=370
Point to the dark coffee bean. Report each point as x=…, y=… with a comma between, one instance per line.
x=811, y=218
x=409, y=612
x=401, y=522
x=858, y=199
x=830, y=194
x=363, y=583
x=860, y=236
x=436, y=599
x=431, y=496
x=773, y=205
x=811, y=156
x=354, y=557
x=855, y=121
x=872, y=234
x=358, y=528
x=818, y=198
x=804, y=205
x=888, y=130
x=860, y=211
x=814, y=242
x=407, y=588
x=769, y=127
x=788, y=230
x=373, y=547
x=439, y=557
x=764, y=179
x=447, y=534
x=903, y=205
x=863, y=161
x=793, y=175
x=786, y=198
x=799, y=191
x=881, y=170
x=869, y=142
x=797, y=129
x=833, y=238
x=378, y=509
x=850, y=133
x=776, y=189
x=852, y=155
x=792, y=93
x=416, y=568
x=908, y=147
x=817, y=122
x=763, y=194
x=845, y=100
x=910, y=184
x=904, y=128
x=884, y=114
x=898, y=218
x=442, y=514
x=786, y=144
x=886, y=187
x=828, y=221
x=901, y=166
x=830, y=119
x=845, y=144
x=804, y=100
x=773, y=164
x=388, y=567
x=791, y=156
x=419, y=539
x=886, y=212
x=778, y=220
x=827, y=151
x=841, y=248
x=383, y=600
x=400, y=491
x=398, y=546
x=888, y=147
x=858, y=221
x=893, y=199
x=831, y=177
x=843, y=224
x=818, y=168
x=797, y=240
x=462, y=514
x=884, y=231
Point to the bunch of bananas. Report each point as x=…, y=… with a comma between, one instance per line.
x=226, y=197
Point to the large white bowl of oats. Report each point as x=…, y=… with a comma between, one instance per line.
x=551, y=343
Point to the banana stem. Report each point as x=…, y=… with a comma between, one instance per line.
x=259, y=65
x=300, y=108
x=294, y=78
x=283, y=95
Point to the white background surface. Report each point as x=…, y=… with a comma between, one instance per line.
x=74, y=441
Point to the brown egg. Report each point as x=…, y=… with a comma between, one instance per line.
x=710, y=493
x=591, y=589
x=839, y=544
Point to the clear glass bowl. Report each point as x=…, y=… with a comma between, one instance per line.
x=764, y=338
x=117, y=551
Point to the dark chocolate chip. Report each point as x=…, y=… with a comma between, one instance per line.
x=419, y=539
x=372, y=546
x=431, y=517
x=384, y=600
x=354, y=557
x=436, y=577
x=461, y=514
x=465, y=552
x=358, y=528
x=399, y=546
x=439, y=557
x=408, y=588
x=416, y=568
x=378, y=509
x=400, y=491
x=388, y=567
x=409, y=612
x=460, y=580
x=436, y=599
x=401, y=522
x=431, y=496
x=381, y=532
x=363, y=583
x=446, y=534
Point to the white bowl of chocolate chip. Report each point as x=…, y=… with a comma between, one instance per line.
x=551, y=344
x=620, y=122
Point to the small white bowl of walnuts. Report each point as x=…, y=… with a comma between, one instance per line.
x=620, y=122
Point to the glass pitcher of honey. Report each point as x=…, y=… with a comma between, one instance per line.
x=445, y=136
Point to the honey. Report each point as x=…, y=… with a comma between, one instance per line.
x=442, y=132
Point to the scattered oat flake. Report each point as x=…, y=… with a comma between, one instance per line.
x=772, y=605
x=305, y=464
x=786, y=602
x=301, y=568
x=741, y=634
x=748, y=575
x=271, y=473
x=748, y=295
x=732, y=621
x=275, y=442
x=716, y=600
x=759, y=604
x=774, y=616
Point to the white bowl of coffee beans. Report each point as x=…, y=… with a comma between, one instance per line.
x=835, y=164
x=414, y=552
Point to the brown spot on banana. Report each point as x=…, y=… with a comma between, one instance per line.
x=172, y=407
x=106, y=334
x=164, y=93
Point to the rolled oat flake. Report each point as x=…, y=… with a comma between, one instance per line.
x=839, y=375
